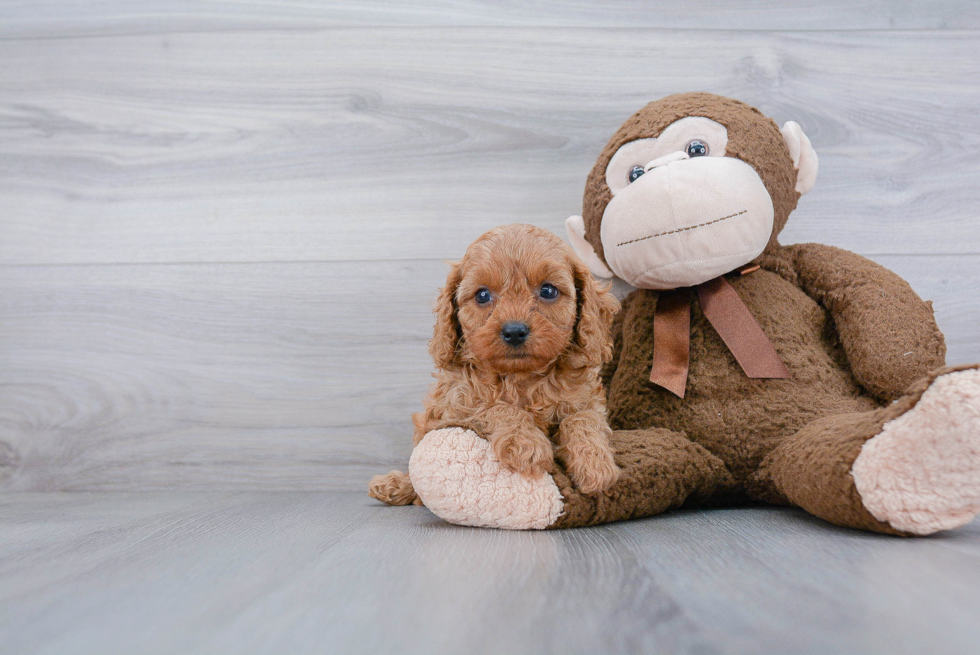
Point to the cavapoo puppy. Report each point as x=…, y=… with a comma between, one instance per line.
x=521, y=332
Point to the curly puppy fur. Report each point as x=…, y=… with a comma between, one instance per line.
x=524, y=398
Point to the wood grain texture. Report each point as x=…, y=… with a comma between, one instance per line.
x=239, y=376
x=406, y=143
x=223, y=222
x=273, y=376
x=315, y=572
x=43, y=18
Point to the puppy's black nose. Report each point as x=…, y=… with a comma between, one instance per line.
x=514, y=333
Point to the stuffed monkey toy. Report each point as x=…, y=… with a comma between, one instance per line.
x=742, y=370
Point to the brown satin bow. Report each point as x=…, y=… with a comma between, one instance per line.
x=731, y=319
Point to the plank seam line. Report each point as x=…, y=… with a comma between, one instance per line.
x=334, y=28
x=370, y=261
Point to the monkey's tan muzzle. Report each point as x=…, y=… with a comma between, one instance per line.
x=686, y=221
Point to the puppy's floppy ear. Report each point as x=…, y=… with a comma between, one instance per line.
x=447, y=332
x=596, y=307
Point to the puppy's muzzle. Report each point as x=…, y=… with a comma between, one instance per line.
x=515, y=333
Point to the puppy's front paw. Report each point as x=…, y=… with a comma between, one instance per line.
x=528, y=454
x=394, y=488
x=591, y=468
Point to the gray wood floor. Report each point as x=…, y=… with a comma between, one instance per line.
x=221, y=228
x=318, y=572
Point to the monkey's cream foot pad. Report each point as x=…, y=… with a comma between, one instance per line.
x=459, y=479
x=921, y=474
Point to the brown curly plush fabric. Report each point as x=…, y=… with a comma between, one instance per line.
x=854, y=336
x=784, y=441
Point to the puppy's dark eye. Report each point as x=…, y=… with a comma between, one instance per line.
x=697, y=148
x=483, y=296
x=635, y=173
x=548, y=292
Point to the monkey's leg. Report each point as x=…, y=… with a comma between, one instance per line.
x=457, y=476
x=910, y=468
x=661, y=470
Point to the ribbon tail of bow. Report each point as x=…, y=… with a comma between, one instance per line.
x=731, y=319
x=739, y=330
x=672, y=341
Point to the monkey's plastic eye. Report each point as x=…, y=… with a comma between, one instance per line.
x=697, y=148
x=548, y=292
x=635, y=173
x=483, y=296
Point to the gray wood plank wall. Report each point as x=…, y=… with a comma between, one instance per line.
x=222, y=224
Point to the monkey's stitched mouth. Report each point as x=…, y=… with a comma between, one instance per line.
x=682, y=229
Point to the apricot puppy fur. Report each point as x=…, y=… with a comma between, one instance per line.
x=521, y=332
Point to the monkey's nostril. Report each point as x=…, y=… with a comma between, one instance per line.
x=514, y=333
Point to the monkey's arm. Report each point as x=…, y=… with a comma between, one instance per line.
x=888, y=333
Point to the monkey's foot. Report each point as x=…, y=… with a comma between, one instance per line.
x=459, y=479
x=921, y=473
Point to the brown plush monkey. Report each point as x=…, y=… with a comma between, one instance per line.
x=744, y=370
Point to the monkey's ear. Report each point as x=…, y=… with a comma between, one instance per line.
x=804, y=157
x=575, y=226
